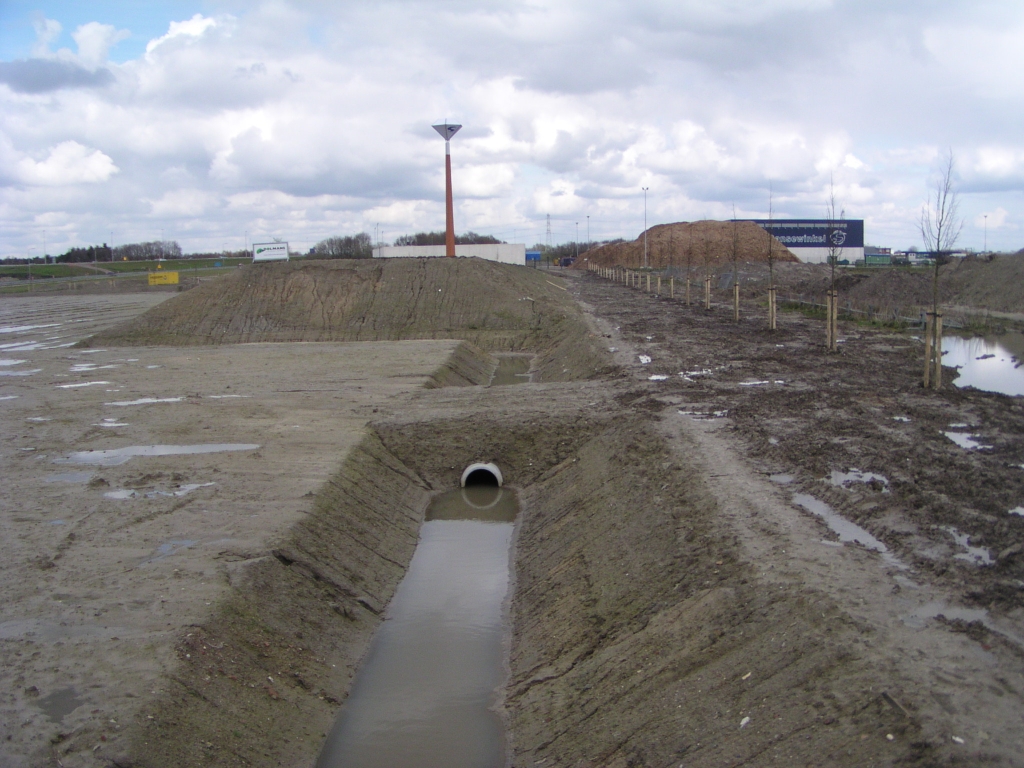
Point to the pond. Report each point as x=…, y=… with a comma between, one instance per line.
x=991, y=363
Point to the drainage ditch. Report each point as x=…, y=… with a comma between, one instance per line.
x=425, y=694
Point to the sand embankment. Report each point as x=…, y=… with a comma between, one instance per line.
x=696, y=244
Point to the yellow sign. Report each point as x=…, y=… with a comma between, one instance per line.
x=163, y=278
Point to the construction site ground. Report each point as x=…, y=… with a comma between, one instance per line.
x=733, y=547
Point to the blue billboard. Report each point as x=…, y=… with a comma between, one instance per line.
x=815, y=233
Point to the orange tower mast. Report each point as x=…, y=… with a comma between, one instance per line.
x=447, y=131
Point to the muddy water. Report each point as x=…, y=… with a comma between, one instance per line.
x=512, y=369
x=991, y=363
x=425, y=693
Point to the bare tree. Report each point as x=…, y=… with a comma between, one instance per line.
x=707, y=255
x=688, y=257
x=770, y=255
x=940, y=228
x=835, y=233
x=734, y=252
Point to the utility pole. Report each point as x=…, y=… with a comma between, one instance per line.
x=985, y=249
x=645, y=226
x=588, y=231
x=577, y=239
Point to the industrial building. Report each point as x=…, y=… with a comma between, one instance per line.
x=812, y=240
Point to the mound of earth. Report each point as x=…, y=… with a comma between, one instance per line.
x=494, y=306
x=978, y=282
x=696, y=244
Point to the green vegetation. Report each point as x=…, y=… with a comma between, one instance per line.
x=38, y=271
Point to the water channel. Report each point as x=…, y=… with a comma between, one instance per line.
x=425, y=695
x=991, y=363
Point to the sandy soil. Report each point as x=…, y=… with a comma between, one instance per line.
x=99, y=592
x=701, y=245
x=676, y=601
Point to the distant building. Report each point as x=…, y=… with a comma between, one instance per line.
x=808, y=239
x=504, y=253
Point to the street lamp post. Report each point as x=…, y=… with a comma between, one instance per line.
x=645, y=226
x=986, y=234
x=588, y=231
x=577, y=239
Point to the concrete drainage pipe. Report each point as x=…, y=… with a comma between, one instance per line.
x=481, y=474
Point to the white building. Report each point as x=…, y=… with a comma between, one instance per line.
x=504, y=253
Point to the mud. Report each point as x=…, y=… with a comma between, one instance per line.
x=672, y=604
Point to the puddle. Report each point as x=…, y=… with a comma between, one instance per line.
x=1017, y=511
x=9, y=397
x=512, y=369
x=781, y=479
x=69, y=477
x=111, y=423
x=61, y=703
x=147, y=401
x=128, y=493
x=38, y=418
x=644, y=360
x=20, y=373
x=657, y=377
x=170, y=548
x=83, y=384
x=25, y=328
x=991, y=363
x=701, y=415
x=116, y=456
x=903, y=419
x=846, y=531
x=759, y=383
x=966, y=440
x=225, y=397
x=918, y=616
x=12, y=362
x=846, y=479
x=425, y=693
x=976, y=555
x=86, y=367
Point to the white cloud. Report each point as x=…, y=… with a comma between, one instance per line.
x=95, y=40
x=192, y=28
x=47, y=30
x=992, y=219
x=67, y=163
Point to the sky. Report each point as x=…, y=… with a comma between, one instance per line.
x=219, y=123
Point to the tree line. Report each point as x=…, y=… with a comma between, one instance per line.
x=149, y=251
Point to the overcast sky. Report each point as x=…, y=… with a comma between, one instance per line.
x=216, y=123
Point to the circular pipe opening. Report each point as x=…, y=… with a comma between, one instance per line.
x=481, y=474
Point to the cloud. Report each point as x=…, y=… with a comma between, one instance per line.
x=178, y=30
x=95, y=40
x=294, y=117
x=67, y=163
x=47, y=30
x=43, y=75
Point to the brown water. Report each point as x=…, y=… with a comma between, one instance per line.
x=424, y=697
x=512, y=369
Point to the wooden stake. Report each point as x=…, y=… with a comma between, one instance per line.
x=736, y=302
x=659, y=285
x=672, y=287
x=707, y=292
x=928, y=318
x=937, y=352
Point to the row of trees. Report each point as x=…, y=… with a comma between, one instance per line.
x=155, y=249
x=437, y=238
x=344, y=247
